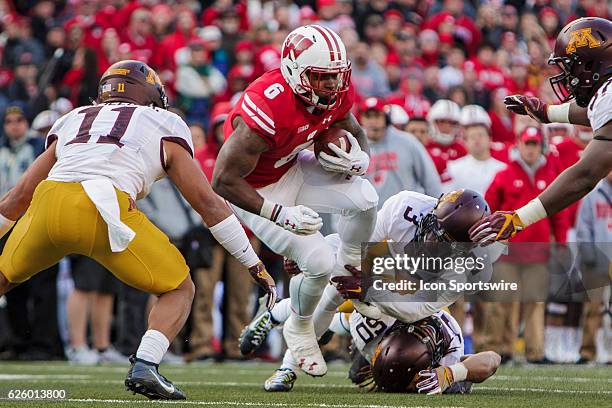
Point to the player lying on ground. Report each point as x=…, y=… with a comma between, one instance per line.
x=405, y=217
x=275, y=186
x=79, y=197
x=583, y=53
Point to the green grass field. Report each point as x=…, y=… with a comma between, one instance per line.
x=240, y=385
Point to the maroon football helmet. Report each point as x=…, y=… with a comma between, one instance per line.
x=407, y=349
x=132, y=82
x=583, y=53
x=453, y=216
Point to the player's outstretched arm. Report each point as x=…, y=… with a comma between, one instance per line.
x=16, y=201
x=475, y=368
x=187, y=175
x=568, y=112
x=570, y=186
x=575, y=182
x=237, y=159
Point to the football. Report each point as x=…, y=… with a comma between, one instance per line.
x=335, y=135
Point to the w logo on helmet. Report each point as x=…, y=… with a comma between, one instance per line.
x=581, y=38
x=295, y=45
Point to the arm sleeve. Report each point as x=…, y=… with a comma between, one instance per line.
x=181, y=134
x=55, y=133
x=384, y=219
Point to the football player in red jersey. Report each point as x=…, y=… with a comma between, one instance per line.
x=276, y=186
x=444, y=146
x=583, y=53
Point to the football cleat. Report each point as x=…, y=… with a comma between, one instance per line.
x=281, y=381
x=302, y=341
x=143, y=378
x=255, y=334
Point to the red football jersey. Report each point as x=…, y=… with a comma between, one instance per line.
x=442, y=154
x=270, y=108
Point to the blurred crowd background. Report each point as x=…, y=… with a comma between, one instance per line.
x=419, y=67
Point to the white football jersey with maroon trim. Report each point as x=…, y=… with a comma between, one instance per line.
x=119, y=141
x=600, y=106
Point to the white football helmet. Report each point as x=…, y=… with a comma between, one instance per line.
x=313, y=57
x=446, y=110
x=398, y=115
x=475, y=115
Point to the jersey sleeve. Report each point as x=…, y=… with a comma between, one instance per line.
x=259, y=116
x=600, y=108
x=176, y=131
x=384, y=219
x=182, y=135
x=57, y=133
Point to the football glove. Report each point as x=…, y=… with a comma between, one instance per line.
x=355, y=162
x=261, y=276
x=528, y=105
x=499, y=226
x=299, y=219
x=348, y=286
x=434, y=381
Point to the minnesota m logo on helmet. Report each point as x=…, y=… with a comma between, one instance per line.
x=581, y=38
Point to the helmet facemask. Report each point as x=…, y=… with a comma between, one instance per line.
x=567, y=85
x=316, y=90
x=429, y=230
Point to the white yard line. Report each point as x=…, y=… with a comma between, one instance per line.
x=80, y=380
x=237, y=403
x=552, y=390
x=546, y=378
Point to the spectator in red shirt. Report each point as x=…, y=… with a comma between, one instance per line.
x=182, y=35
x=81, y=82
x=162, y=17
x=502, y=122
x=485, y=65
x=108, y=52
x=267, y=54
x=451, y=20
x=138, y=36
x=526, y=176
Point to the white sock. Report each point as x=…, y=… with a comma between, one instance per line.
x=281, y=311
x=289, y=362
x=153, y=346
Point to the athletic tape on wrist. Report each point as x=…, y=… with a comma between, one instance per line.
x=558, y=113
x=532, y=212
